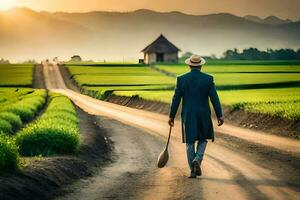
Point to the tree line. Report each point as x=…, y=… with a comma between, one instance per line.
x=253, y=54
x=30, y=61
x=4, y=61
x=256, y=54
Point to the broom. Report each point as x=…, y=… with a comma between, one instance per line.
x=164, y=155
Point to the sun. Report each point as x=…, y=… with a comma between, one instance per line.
x=7, y=4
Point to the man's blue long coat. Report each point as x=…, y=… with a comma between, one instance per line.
x=195, y=89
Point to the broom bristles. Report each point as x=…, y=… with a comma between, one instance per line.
x=163, y=159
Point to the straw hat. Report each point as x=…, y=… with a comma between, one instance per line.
x=195, y=61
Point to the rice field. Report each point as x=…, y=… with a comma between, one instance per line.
x=55, y=132
x=9, y=157
x=25, y=128
x=18, y=106
x=181, y=69
x=247, y=76
x=271, y=87
x=16, y=75
x=283, y=102
x=131, y=88
x=22, y=133
x=120, y=77
x=121, y=80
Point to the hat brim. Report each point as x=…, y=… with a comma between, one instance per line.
x=188, y=62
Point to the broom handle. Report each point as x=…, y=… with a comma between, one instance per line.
x=170, y=130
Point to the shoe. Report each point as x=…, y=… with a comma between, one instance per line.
x=197, y=168
x=193, y=175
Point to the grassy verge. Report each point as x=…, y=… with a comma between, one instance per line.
x=55, y=132
x=18, y=106
x=9, y=157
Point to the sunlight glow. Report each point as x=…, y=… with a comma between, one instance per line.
x=7, y=4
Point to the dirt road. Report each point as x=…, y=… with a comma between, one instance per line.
x=138, y=137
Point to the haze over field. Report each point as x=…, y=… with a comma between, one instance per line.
x=118, y=36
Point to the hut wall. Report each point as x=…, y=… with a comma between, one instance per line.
x=150, y=58
x=171, y=57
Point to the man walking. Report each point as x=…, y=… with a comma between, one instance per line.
x=195, y=88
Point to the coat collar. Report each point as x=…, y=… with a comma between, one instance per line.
x=195, y=70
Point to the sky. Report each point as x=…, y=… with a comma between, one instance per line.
x=281, y=8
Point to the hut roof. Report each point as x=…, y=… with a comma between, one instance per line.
x=161, y=45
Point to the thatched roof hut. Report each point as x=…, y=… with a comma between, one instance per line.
x=161, y=50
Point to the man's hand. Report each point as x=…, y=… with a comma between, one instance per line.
x=171, y=122
x=220, y=121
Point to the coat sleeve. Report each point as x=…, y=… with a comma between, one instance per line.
x=176, y=100
x=214, y=98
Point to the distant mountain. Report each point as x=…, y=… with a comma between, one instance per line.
x=25, y=33
x=268, y=20
x=275, y=20
x=254, y=19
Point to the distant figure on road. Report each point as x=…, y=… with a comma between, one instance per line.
x=195, y=88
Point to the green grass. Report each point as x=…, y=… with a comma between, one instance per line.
x=162, y=96
x=55, y=132
x=260, y=95
x=102, y=92
x=130, y=88
x=9, y=95
x=92, y=63
x=283, y=102
x=16, y=75
x=98, y=81
x=25, y=103
x=112, y=70
x=209, y=62
x=9, y=157
x=19, y=106
x=251, y=62
x=240, y=80
x=260, y=86
x=13, y=119
x=5, y=126
x=181, y=69
x=92, y=80
x=246, y=76
x=117, y=76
